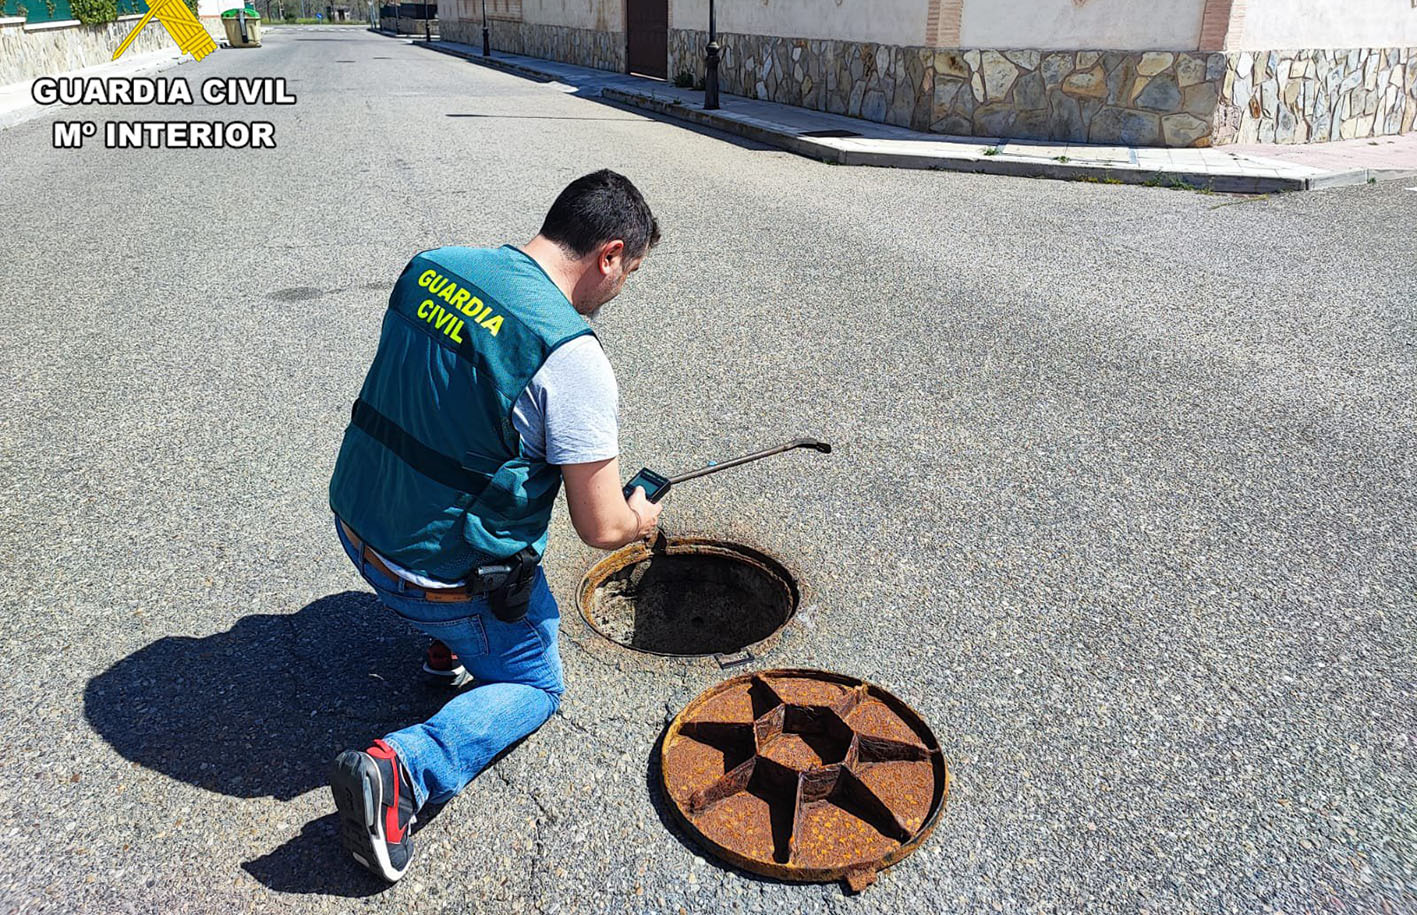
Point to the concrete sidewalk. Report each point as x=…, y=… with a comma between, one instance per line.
x=17, y=105
x=852, y=141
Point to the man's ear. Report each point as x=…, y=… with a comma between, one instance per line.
x=610, y=252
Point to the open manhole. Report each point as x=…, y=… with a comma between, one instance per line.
x=690, y=597
x=804, y=775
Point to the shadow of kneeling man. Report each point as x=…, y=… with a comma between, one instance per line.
x=261, y=709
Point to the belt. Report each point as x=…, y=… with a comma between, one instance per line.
x=452, y=595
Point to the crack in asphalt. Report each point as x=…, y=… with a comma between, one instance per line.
x=538, y=841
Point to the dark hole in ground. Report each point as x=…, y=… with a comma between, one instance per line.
x=825, y=134
x=691, y=601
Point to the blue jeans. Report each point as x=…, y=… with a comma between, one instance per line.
x=516, y=666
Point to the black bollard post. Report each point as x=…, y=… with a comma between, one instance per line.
x=711, y=76
x=711, y=65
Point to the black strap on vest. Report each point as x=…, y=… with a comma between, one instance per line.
x=432, y=464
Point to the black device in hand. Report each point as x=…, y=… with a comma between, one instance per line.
x=656, y=486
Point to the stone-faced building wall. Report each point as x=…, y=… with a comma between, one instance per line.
x=1134, y=97
x=1316, y=95
x=1140, y=98
x=603, y=50
x=588, y=34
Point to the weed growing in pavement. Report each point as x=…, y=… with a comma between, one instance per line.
x=991, y=150
x=1171, y=182
x=1063, y=159
x=683, y=79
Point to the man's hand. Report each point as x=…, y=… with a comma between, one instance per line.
x=599, y=512
x=646, y=511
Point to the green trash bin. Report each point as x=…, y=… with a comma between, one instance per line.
x=242, y=32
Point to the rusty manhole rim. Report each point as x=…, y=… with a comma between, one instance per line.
x=601, y=570
x=858, y=875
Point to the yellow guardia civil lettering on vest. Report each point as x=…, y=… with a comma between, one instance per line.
x=458, y=299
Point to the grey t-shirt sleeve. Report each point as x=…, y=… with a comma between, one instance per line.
x=569, y=411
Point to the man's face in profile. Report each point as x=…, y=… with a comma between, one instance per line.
x=612, y=284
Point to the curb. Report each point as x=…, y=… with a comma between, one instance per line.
x=1359, y=176
x=491, y=63
x=986, y=165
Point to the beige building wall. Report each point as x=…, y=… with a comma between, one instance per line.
x=892, y=22
x=1291, y=24
x=496, y=9
x=1123, y=25
x=601, y=15
x=1047, y=24
x=1044, y=24
x=1076, y=25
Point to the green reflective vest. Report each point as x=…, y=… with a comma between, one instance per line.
x=431, y=473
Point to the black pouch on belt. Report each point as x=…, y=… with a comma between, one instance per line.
x=510, y=597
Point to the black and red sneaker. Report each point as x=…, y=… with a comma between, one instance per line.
x=375, y=802
x=445, y=666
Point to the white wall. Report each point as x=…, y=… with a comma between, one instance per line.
x=1289, y=24
x=471, y=10
x=1129, y=25
x=602, y=15
x=899, y=22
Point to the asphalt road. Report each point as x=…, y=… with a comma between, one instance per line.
x=1122, y=501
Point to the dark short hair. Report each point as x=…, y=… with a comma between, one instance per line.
x=598, y=208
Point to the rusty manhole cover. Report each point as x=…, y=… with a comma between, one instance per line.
x=804, y=775
x=697, y=597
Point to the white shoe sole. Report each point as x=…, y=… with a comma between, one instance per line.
x=456, y=678
x=358, y=793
